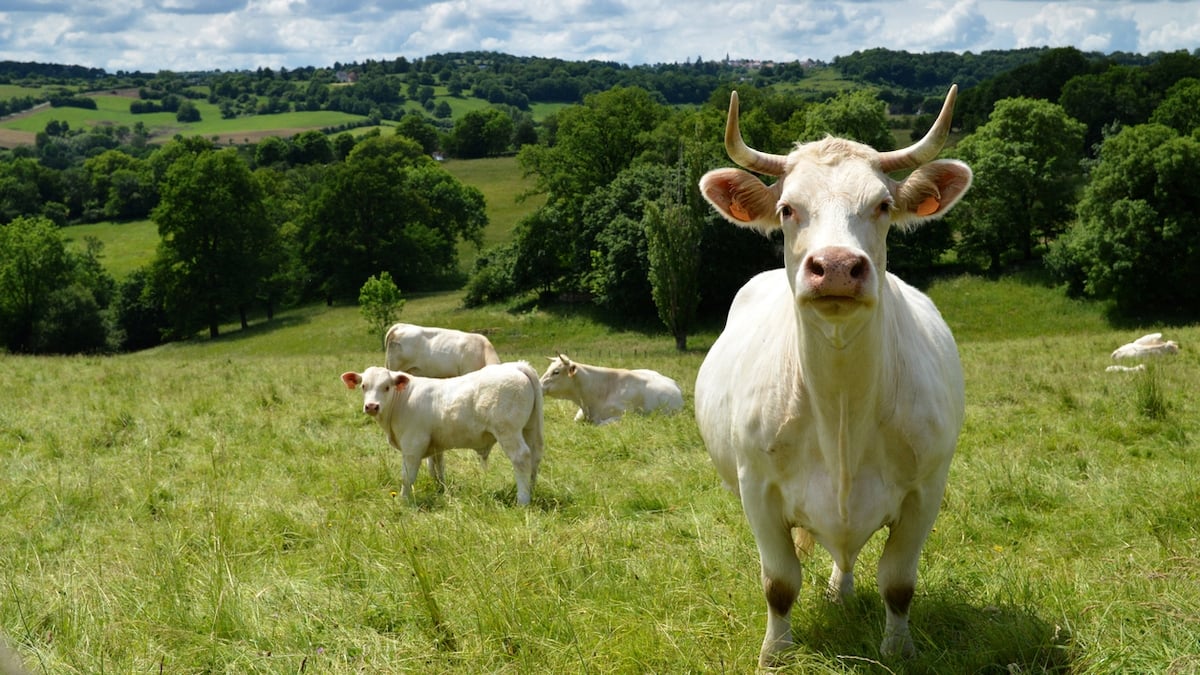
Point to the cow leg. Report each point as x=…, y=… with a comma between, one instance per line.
x=437, y=467
x=412, y=465
x=841, y=581
x=522, y=462
x=782, y=574
x=897, y=577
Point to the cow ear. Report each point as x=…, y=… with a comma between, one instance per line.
x=351, y=379
x=742, y=198
x=402, y=381
x=571, y=370
x=931, y=190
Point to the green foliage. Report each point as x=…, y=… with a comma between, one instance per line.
x=388, y=207
x=856, y=115
x=380, y=303
x=1180, y=110
x=1137, y=240
x=481, y=133
x=1026, y=166
x=51, y=299
x=673, y=246
x=216, y=239
x=1117, y=96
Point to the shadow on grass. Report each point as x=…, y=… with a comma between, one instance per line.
x=951, y=635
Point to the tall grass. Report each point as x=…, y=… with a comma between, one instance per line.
x=223, y=506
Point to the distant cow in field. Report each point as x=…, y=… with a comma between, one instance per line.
x=605, y=394
x=436, y=352
x=1147, y=345
x=423, y=417
x=832, y=401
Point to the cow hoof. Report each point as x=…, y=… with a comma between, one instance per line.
x=897, y=646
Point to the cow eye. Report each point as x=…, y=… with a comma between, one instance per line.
x=785, y=211
x=885, y=207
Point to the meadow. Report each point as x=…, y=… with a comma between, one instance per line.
x=224, y=506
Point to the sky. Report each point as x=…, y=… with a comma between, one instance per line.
x=187, y=35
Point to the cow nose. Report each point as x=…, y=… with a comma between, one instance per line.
x=836, y=271
x=371, y=408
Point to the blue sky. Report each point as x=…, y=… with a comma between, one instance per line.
x=152, y=35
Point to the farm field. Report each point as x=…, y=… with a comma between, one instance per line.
x=224, y=506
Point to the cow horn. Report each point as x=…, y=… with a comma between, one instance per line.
x=928, y=147
x=744, y=155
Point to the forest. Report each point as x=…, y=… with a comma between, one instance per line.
x=1083, y=176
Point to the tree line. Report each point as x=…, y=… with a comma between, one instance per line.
x=622, y=228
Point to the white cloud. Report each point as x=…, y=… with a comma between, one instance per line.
x=1090, y=28
x=151, y=35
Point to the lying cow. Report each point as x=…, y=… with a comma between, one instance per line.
x=436, y=352
x=604, y=394
x=423, y=417
x=1147, y=345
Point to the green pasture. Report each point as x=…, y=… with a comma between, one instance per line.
x=114, y=110
x=223, y=506
x=502, y=183
x=126, y=246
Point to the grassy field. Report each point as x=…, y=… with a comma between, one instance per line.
x=223, y=506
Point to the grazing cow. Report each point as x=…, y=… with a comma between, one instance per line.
x=832, y=401
x=1147, y=345
x=604, y=394
x=436, y=352
x=423, y=417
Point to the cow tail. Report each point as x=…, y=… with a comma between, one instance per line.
x=533, y=428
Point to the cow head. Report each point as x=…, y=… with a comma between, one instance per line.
x=555, y=380
x=378, y=385
x=835, y=201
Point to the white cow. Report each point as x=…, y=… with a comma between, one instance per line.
x=423, y=417
x=832, y=401
x=1151, y=344
x=604, y=394
x=436, y=352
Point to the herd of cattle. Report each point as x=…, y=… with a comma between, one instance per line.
x=443, y=389
x=830, y=404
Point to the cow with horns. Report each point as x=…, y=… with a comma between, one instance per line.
x=832, y=401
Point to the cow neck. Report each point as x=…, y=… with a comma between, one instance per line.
x=842, y=384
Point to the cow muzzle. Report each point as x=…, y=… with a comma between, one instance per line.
x=835, y=273
x=371, y=408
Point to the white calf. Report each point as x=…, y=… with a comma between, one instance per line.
x=423, y=417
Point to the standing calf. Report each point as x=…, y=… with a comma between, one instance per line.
x=423, y=417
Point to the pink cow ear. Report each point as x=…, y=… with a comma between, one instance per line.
x=351, y=379
x=402, y=382
x=571, y=370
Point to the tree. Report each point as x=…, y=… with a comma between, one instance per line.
x=1119, y=95
x=857, y=115
x=673, y=238
x=1180, y=110
x=1026, y=163
x=215, y=238
x=380, y=302
x=33, y=263
x=388, y=207
x=51, y=300
x=187, y=112
x=481, y=133
x=1137, y=239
